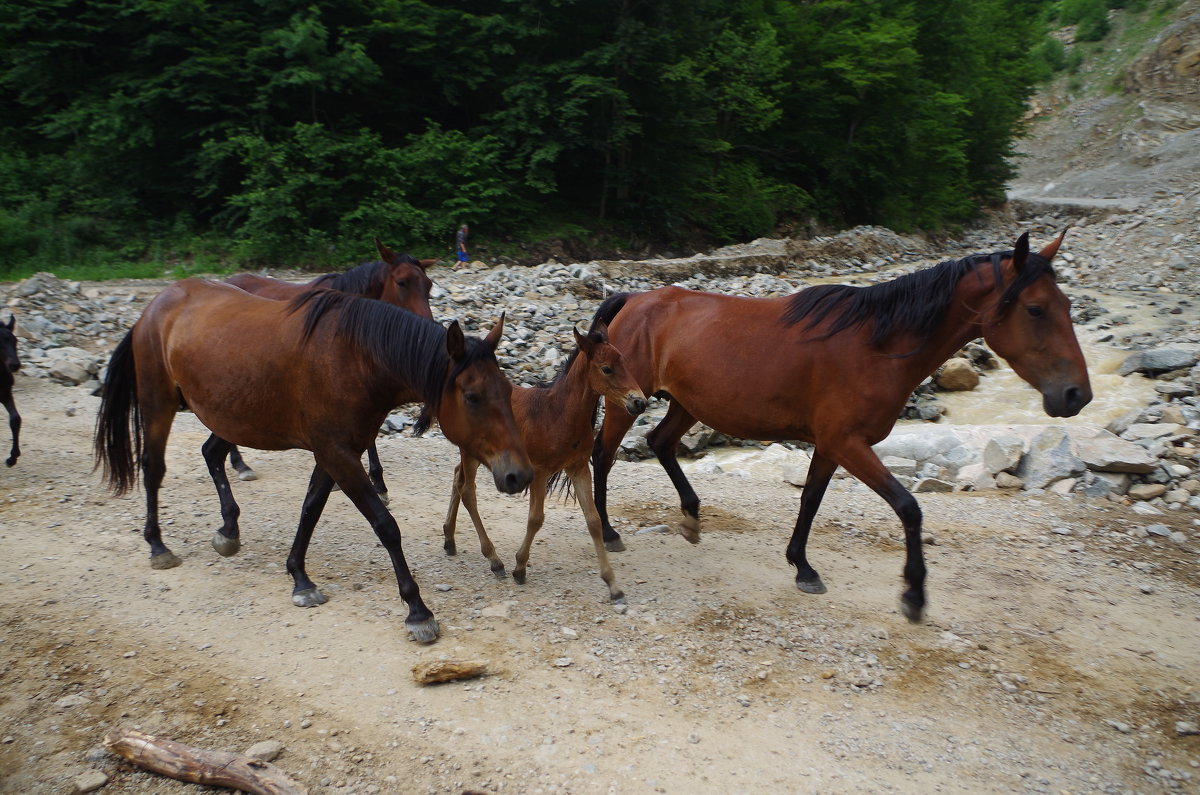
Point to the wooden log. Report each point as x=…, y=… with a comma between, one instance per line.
x=200, y=766
x=428, y=673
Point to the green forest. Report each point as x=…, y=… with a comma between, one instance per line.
x=275, y=132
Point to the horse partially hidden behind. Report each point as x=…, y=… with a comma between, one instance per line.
x=833, y=365
x=557, y=425
x=396, y=279
x=318, y=373
x=10, y=363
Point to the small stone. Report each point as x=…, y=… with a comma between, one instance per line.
x=563, y=662
x=441, y=586
x=1123, y=728
x=693, y=738
x=569, y=633
x=1146, y=588
x=267, y=750
x=1062, y=531
x=1185, y=728
x=90, y=781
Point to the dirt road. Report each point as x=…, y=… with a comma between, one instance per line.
x=1060, y=650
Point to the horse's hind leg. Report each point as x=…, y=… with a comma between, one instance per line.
x=375, y=472
x=240, y=466
x=464, y=483
x=226, y=541
x=348, y=472
x=820, y=470
x=581, y=481
x=157, y=425
x=612, y=431
x=663, y=440
x=14, y=424
x=304, y=590
x=860, y=461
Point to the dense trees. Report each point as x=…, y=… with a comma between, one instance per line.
x=294, y=131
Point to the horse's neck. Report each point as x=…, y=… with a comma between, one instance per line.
x=570, y=398
x=962, y=323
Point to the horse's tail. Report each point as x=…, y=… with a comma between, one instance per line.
x=118, y=443
x=611, y=306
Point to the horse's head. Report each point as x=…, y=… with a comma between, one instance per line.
x=475, y=412
x=607, y=373
x=8, y=346
x=408, y=285
x=1030, y=326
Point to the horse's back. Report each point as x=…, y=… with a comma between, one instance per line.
x=265, y=286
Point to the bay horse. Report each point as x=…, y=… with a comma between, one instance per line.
x=557, y=424
x=833, y=365
x=10, y=363
x=396, y=279
x=318, y=373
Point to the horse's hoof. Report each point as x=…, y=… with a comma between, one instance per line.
x=617, y=597
x=914, y=613
x=164, y=560
x=248, y=474
x=689, y=528
x=519, y=576
x=309, y=597
x=423, y=631
x=384, y=498
x=616, y=545
x=225, y=546
x=811, y=586
x=451, y=548
x=498, y=570
x=10, y=461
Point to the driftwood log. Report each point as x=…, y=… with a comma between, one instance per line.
x=428, y=673
x=200, y=766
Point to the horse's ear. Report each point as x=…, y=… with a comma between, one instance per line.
x=584, y=341
x=1052, y=248
x=600, y=328
x=12, y=322
x=456, y=344
x=426, y=264
x=1020, y=252
x=492, y=340
x=385, y=253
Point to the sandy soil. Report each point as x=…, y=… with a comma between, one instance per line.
x=1049, y=662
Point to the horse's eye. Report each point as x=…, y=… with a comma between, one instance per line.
x=472, y=398
x=606, y=369
x=1035, y=311
x=401, y=284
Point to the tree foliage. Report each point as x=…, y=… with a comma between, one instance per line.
x=296, y=131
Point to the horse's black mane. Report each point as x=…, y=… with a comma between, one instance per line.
x=914, y=303
x=365, y=279
x=412, y=347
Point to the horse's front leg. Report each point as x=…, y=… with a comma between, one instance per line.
x=226, y=540
x=663, y=440
x=347, y=470
x=469, y=496
x=581, y=481
x=820, y=470
x=304, y=591
x=533, y=523
x=860, y=461
x=14, y=424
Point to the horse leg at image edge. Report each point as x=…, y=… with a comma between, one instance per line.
x=226, y=540
x=14, y=425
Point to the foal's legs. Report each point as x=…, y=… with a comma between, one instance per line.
x=663, y=441
x=581, y=481
x=820, y=470
x=533, y=523
x=464, y=491
x=243, y=469
x=346, y=469
x=14, y=424
x=612, y=431
x=226, y=540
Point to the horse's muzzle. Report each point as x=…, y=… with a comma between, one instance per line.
x=1066, y=401
x=510, y=475
x=635, y=404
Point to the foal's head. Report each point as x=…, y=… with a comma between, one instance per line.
x=1030, y=326
x=9, y=360
x=607, y=373
x=408, y=284
x=475, y=411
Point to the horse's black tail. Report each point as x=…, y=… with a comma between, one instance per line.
x=610, y=307
x=118, y=443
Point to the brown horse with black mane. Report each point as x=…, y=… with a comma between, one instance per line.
x=833, y=365
x=318, y=373
x=557, y=423
x=396, y=279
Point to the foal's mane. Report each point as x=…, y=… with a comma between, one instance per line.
x=410, y=346
x=914, y=303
